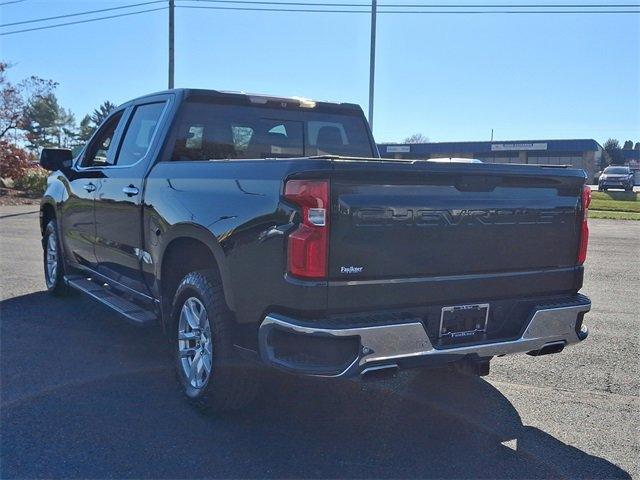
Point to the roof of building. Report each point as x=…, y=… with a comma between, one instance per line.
x=579, y=145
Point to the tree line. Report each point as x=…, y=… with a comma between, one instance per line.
x=613, y=150
x=32, y=117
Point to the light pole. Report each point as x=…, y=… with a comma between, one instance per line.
x=372, y=59
x=171, y=61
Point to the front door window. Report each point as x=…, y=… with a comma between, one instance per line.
x=100, y=152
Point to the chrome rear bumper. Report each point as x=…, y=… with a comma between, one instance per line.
x=382, y=345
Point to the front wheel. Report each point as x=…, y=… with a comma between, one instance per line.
x=52, y=259
x=208, y=370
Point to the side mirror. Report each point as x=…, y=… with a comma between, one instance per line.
x=53, y=159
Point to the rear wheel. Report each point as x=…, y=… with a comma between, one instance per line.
x=208, y=369
x=52, y=260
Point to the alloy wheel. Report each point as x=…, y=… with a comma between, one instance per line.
x=195, y=346
x=51, y=258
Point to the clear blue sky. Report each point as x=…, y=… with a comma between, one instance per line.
x=450, y=77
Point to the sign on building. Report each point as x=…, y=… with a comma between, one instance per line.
x=398, y=148
x=508, y=147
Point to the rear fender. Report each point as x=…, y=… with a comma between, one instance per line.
x=196, y=232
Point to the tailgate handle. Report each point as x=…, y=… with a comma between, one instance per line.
x=476, y=184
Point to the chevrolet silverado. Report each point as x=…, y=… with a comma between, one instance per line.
x=258, y=230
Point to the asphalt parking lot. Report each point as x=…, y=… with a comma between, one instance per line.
x=85, y=395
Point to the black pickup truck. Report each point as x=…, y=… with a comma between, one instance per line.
x=265, y=230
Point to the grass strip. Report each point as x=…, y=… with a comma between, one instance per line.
x=613, y=215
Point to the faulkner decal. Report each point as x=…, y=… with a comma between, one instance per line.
x=351, y=270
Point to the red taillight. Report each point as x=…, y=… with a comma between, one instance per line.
x=584, y=227
x=308, y=244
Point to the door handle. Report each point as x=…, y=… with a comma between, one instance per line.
x=130, y=190
x=89, y=187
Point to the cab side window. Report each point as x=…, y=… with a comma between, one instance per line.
x=137, y=139
x=100, y=151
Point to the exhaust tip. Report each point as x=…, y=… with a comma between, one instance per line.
x=549, y=348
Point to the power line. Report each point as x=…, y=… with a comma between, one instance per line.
x=83, y=21
x=81, y=13
x=268, y=9
x=414, y=5
x=12, y=1
x=264, y=7
x=465, y=12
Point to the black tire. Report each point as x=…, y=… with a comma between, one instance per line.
x=230, y=384
x=54, y=281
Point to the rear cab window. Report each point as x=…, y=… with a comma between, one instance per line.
x=208, y=130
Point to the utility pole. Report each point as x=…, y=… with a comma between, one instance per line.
x=372, y=59
x=171, y=62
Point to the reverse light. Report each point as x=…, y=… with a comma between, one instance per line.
x=584, y=227
x=308, y=244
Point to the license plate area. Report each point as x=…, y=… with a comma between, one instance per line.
x=463, y=323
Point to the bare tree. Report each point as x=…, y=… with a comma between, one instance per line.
x=416, y=138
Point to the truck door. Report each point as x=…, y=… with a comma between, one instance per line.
x=118, y=204
x=78, y=219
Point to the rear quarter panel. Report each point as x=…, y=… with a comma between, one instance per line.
x=237, y=204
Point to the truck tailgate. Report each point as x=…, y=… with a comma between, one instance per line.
x=440, y=232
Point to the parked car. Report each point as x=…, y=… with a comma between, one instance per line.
x=616, y=177
x=259, y=230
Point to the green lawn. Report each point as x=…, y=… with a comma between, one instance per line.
x=615, y=205
x=617, y=201
x=614, y=215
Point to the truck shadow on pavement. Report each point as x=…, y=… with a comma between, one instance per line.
x=85, y=395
